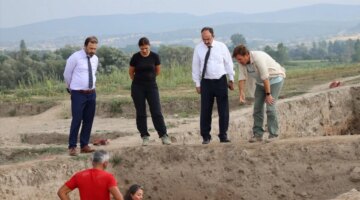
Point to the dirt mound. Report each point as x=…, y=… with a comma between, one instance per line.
x=309, y=162
x=293, y=169
x=24, y=109
x=317, y=168
x=352, y=195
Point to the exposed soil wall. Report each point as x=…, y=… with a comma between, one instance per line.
x=334, y=112
x=316, y=158
x=312, y=168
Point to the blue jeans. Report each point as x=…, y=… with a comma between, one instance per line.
x=83, y=111
x=258, y=114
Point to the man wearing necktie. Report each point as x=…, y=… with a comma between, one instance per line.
x=211, y=63
x=80, y=81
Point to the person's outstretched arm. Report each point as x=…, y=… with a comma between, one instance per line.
x=115, y=192
x=63, y=192
x=241, y=85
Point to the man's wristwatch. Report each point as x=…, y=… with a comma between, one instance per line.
x=268, y=93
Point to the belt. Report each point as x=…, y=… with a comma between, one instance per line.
x=222, y=77
x=86, y=91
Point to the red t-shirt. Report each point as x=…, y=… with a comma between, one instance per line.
x=93, y=184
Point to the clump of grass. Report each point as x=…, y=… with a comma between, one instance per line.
x=115, y=106
x=84, y=158
x=25, y=154
x=115, y=159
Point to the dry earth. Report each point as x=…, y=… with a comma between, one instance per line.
x=298, y=166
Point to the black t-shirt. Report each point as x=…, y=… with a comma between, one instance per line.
x=145, y=67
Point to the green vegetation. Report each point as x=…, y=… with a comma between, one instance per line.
x=115, y=159
x=302, y=75
x=35, y=77
x=17, y=155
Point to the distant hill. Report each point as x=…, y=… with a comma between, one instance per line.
x=303, y=22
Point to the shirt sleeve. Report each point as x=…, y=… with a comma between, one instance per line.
x=112, y=181
x=132, y=61
x=228, y=63
x=260, y=63
x=72, y=184
x=157, y=59
x=242, y=72
x=196, y=68
x=69, y=69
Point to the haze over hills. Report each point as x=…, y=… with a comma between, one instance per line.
x=303, y=23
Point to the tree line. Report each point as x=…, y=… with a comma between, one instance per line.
x=333, y=51
x=30, y=66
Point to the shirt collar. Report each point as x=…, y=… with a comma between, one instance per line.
x=251, y=58
x=212, y=44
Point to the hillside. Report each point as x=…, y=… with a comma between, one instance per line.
x=303, y=22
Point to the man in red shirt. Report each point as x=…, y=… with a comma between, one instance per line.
x=94, y=183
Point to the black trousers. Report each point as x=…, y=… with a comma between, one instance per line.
x=141, y=93
x=211, y=88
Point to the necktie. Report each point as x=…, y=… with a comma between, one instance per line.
x=90, y=73
x=206, y=60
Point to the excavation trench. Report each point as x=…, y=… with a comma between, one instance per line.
x=317, y=157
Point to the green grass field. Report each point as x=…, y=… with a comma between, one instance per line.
x=175, y=85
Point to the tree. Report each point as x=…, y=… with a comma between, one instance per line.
x=300, y=52
x=175, y=55
x=111, y=58
x=23, y=50
x=282, y=54
x=270, y=51
x=7, y=74
x=356, y=55
x=3, y=58
x=237, y=39
x=66, y=51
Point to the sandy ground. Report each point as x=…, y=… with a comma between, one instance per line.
x=300, y=168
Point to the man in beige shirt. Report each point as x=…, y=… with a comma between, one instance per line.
x=269, y=76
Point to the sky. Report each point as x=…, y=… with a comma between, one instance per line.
x=20, y=12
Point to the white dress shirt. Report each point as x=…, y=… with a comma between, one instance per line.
x=261, y=67
x=219, y=63
x=76, y=72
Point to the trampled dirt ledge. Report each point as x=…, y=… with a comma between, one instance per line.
x=292, y=169
x=316, y=158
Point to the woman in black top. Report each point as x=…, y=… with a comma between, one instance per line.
x=144, y=67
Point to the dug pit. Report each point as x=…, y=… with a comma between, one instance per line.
x=316, y=158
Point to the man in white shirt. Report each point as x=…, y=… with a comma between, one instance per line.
x=269, y=76
x=211, y=63
x=80, y=80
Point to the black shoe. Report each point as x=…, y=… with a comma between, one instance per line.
x=224, y=140
x=206, y=141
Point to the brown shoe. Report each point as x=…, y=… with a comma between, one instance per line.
x=86, y=149
x=72, y=151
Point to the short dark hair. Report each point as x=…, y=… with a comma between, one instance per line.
x=143, y=41
x=240, y=50
x=91, y=39
x=131, y=191
x=207, y=28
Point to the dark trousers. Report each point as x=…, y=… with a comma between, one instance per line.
x=141, y=93
x=83, y=111
x=211, y=88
